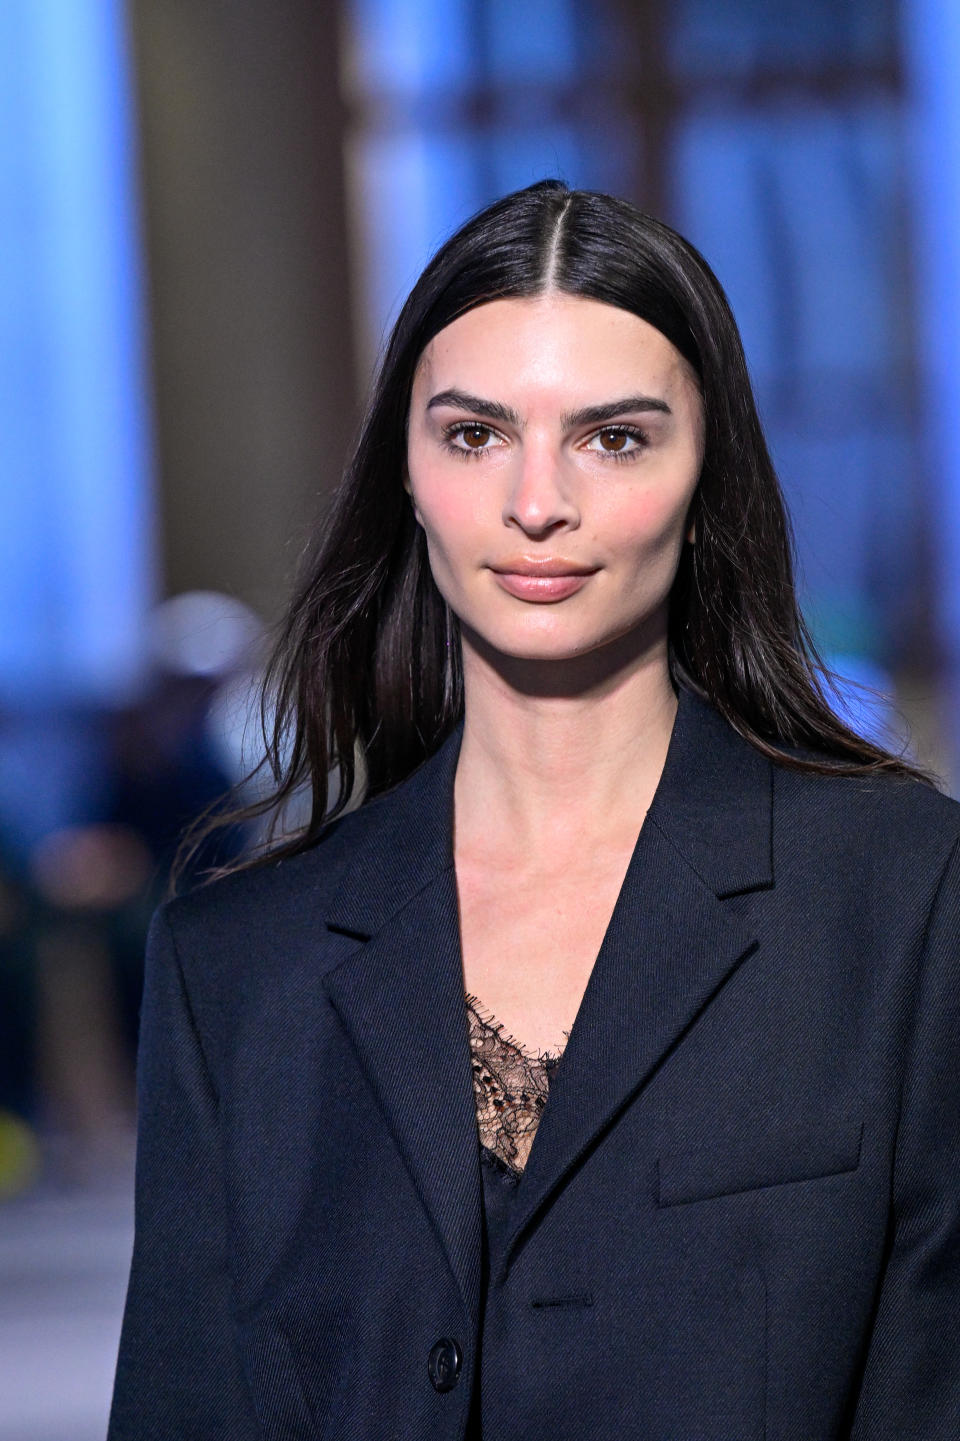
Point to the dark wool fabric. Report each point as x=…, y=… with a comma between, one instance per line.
x=741, y=1214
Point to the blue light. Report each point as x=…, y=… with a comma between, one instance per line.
x=932, y=44
x=75, y=557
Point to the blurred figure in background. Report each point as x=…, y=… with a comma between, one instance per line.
x=72, y=928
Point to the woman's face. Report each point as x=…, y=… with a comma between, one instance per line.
x=554, y=447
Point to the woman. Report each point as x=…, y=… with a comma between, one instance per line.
x=615, y=850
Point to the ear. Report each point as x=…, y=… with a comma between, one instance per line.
x=409, y=489
x=692, y=534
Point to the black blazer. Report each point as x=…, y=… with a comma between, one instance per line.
x=741, y=1214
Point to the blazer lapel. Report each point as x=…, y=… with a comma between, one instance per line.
x=400, y=997
x=670, y=945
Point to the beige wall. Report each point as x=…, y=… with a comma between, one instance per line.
x=242, y=127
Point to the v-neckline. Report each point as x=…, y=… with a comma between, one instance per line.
x=489, y=1021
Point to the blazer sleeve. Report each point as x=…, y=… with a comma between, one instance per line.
x=178, y=1371
x=911, y=1384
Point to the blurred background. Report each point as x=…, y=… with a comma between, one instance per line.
x=210, y=211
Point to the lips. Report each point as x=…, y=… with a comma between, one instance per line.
x=541, y=580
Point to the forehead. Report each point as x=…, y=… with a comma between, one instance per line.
x=552, y=342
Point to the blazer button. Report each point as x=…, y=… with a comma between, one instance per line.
x=444, y=1363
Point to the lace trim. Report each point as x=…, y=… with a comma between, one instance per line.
x=510, y=1086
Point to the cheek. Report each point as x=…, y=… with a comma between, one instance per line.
x=444, y=515
x=649, y=520
x=447, y=512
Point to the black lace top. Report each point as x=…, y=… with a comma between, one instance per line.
x=510, y=1086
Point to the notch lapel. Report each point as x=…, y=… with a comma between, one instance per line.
x=399, y=996
x=670, y=944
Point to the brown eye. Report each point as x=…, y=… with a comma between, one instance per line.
x=471, y=437
x=618, y=442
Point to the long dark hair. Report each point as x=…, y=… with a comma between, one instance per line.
x=366, y=670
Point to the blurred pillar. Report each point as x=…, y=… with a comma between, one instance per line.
x=653, y=102
x=931, y=32
x=242, y=152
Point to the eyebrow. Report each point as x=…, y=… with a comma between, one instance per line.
x=460, y=400
x=629, y=405
x=588, y=415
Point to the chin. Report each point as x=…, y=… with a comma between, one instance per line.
x=554, y=639
x=538, y=644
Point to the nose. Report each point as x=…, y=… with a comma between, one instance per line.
x=540, y=498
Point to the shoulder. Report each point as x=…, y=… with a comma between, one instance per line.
x=899, y=830
x=889, y=800
x=277, y=897
x=255, y=943
x=375, y=851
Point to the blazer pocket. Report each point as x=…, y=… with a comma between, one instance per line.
x=805, y=1153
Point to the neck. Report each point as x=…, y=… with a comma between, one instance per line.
x=547, y=762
